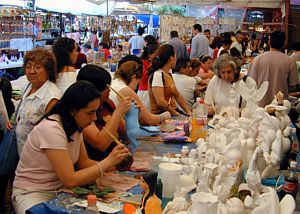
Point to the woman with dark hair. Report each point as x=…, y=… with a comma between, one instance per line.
x=97, y=142
x=57, y=155
x=150, y=202
x=40, y=95
x=227, y=71
x=146, y=58
x=163, y=93
x=127, y=77
x=65, y=51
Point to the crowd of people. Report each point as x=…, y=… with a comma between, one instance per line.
x=73, y=107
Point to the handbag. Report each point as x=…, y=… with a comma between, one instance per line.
x=9, y=156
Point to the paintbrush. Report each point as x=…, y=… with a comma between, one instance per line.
x=117, y=93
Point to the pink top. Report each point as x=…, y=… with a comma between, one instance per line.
x=34, y=171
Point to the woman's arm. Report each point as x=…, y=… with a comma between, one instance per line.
x=99, y=139
x=89, y=169
x=207, y=75
x=145, y=117
x=158, y=93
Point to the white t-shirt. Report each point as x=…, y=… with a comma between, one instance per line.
x=32, y=109
x=218, y=92
x=186, y=86
x=157, y=78
x=35, y=171
x=118, y=85
x=64, y=80
x=237, y=46
x=136, y=42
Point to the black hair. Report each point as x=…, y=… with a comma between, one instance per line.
x=181, y=63
x=62, y=49
x=296, y=46
x=207, y=31
x=6, y=88
x=277, y=39
x=253, y=36
x=104, y=45
x=76, y=97
x=141, y=31
x=216, y=43
x=130, y=58
x=121, y=47
x=227, y=35
x=96, y=75
x=204, y=58
x=226, y=41
x=150, y=179
x=149, y=39
x=234, y=52
x=173, y=34
x=150, y=49
x=197, y=27
x=162, y=55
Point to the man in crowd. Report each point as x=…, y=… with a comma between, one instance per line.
x=178, y=45
x=199, y=42
x=277, y=68
x=136, y=43
x=208, y=35
x=238, y=41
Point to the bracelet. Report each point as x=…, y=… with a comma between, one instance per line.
x=100, y=169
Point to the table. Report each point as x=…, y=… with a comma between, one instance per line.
x=10, y=64
x=62, y=203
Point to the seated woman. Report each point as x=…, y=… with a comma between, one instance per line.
x=97, y=142
x=65, y=51
x=37, y=182
x=218, y=90
x=143, y=85
x=186, y=84
x=205, y=72
x=39, y=96
x=127, y=77
x=163, y=93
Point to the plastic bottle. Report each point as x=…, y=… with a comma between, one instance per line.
x=91, y=207
x=290, y=185
x=199, y=120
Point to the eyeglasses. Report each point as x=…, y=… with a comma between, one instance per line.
x=35, y=67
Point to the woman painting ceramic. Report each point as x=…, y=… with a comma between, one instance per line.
x=65, y=51
x=55, y=146
x=127, y=77
x=39, y=96
x=163, y=93
x=228, y=74
x=97, y=142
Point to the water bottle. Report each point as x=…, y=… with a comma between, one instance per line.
x=290, y=185
x=91, y=207
x=199, y=120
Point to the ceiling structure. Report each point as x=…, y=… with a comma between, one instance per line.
x=104, y=7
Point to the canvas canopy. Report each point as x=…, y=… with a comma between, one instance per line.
x=101, y=7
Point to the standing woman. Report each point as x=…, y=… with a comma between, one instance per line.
x=146, y=58
x=65, y=51
x=41, y=94
x=37, y=182
x=163, y=93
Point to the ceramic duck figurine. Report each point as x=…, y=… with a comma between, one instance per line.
x=133, y=128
